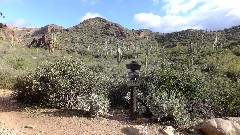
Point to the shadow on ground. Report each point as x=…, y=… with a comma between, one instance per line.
x=7, y=104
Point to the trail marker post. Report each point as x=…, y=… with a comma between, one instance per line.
x=133, y=83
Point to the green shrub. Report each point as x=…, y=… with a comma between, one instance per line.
x=65, y=83
x=8, y=75
x=119, y=90
x=7, y=79
x=226, y=97
x=175, y=95
x=236, y=50
x=19, y=63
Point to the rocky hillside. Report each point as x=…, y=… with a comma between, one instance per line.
x=95, y=32
x=24, y=35
x=101, y=33
x=227, y=37
x=98, y=33
x=12, y=33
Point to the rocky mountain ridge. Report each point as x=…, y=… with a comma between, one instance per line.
x=88, y=28
x=99, y=31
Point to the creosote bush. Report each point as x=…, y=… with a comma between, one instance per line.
x=65, y=83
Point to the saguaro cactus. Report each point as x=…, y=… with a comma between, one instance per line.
x=12, y=41
x=119, y=53
x=52, y=44
x=146, y=57
x=215, y=41
x=1, y=35
x=190, y=48
x=88, y=48
x=111, y=51
x=190, y=55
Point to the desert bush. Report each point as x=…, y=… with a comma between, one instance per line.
x=236, y=50
x=7, y=79
x=176, y=95
x=65, y=83
x=119, y=90
x=8, y=75
x=18, y=62
x=226, y=98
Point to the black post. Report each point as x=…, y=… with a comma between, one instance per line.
x=133, y=103
x=133, y=66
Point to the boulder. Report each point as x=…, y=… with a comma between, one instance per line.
x=221, y=126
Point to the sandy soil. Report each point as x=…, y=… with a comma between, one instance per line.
x=20, y=120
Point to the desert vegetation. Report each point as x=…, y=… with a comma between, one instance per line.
x=186, y=76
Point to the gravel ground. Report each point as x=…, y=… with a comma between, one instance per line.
x=15, y=119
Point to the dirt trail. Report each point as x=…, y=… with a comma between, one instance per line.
x=56, y=122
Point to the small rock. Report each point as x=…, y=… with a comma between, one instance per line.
x=13, y=101
x=167, y=130
x=29, y=126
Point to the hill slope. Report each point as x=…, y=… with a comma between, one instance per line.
x=101, y=33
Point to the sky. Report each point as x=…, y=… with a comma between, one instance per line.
x=157, y=15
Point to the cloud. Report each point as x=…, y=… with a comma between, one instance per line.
x=166, y=23
x=175, y=7
x=89, y=15
x=191, y=14
x=19, y=22
x=147, y=20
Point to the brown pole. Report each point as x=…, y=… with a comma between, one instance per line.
x=133, y=103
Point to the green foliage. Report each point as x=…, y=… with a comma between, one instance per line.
x=174, y=94
x=225, y=97
x=6, y=79
x=119, y=90
x=19, y=63
x=65, y=83
x=236, y=50
x=225, y=63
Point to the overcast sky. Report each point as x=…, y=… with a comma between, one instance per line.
x=156, y=15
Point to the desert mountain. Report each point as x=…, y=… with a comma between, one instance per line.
x=101, y=33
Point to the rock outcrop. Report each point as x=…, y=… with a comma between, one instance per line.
x=9, y=33
x=48, y=29
x=221, y=126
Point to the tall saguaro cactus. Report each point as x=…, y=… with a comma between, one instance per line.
x=190, y=57
x=53, y=42
x=12, y=41
x=190, y=47
x=146, y=57
x=54, y=37
x=1, y=35
x=215, y=41
x=119, y=53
